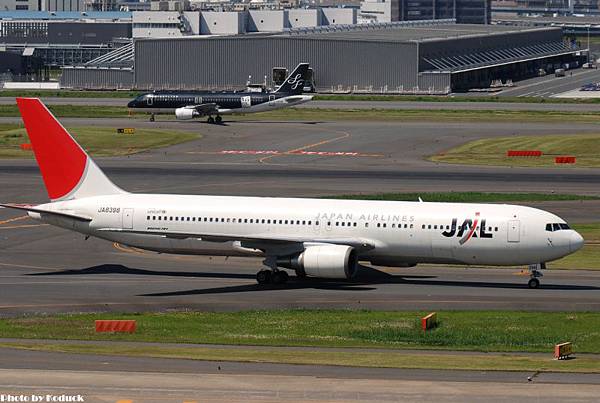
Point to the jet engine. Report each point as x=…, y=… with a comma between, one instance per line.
x=324, y=261
x=185, y=113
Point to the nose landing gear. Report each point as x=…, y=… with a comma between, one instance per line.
x=535, y=271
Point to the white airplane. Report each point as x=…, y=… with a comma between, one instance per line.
x=314, y=237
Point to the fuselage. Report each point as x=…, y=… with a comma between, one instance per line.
x=226, y=102
x=401, y=233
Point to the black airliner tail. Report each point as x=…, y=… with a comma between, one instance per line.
x=294, y=83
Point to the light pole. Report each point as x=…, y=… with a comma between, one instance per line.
x=588, y=45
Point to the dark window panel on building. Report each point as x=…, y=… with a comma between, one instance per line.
x=465, y=11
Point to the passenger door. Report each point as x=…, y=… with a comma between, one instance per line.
x=127, y=218
x=514, y=231
x=246, y=101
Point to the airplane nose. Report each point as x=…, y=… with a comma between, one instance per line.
x=575, y=241
x=131, y=104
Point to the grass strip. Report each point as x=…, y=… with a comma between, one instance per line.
x=492, y=151
x=467, y=197
x=449, y=115
x=292, y=114
x=483, y=362
x=454, y=98
x=320, y=97
x=68, y=94
x=73, y=111
x=98, y=141
x=485, y=331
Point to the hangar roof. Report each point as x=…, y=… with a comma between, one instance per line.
x=400, y=33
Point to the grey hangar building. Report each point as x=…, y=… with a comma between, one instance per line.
x=428, y=57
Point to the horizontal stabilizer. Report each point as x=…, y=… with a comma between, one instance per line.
x=34, y=209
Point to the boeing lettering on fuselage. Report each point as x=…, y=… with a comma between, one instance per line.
x=189, y=105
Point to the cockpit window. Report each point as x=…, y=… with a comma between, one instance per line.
x=557, y=227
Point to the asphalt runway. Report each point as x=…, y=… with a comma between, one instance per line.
x=302, y=159
x=401, y=105
x=46, y=269
x=550, y=85
x=129, y=379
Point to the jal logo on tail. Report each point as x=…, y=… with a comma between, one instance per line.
x=295, y=81
x=468, y=229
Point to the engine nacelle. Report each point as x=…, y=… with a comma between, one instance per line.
x=324, y=261
x=185, y=113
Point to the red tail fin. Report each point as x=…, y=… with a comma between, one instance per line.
x=64, y=165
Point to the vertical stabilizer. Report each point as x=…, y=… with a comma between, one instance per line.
x=68, y=172
x=294, y=83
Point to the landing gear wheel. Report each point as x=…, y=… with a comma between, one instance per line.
x=301, y=274
x=210, y=120
x=218, y=119
x=152, y=117
x=279, y=277
x=263, y=277
x=533, y=283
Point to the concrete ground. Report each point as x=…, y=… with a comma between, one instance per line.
x=129, y=379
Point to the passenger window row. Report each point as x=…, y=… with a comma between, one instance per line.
x=229, y=220
x=267, y=221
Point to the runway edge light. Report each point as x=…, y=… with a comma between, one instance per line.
x=429, y=322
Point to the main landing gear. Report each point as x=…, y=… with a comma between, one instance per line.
x=535, y=271
x=216, y=120
x=152, y=117
x=272, y=277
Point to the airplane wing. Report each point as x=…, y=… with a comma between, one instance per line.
x=34, y=209
x=204, y=109
x=275, y=244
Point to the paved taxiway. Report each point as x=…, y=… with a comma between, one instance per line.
x=402, y=105
x=550, y=85
x=168, y=380
x=45, y=269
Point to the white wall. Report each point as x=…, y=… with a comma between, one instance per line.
x=222, y=23
x=335, y=16
x=300, y=18
x=266, y=20
x=376, y=10
x=156, y=24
